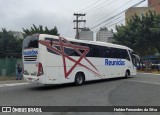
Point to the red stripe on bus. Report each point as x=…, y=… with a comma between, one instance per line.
x=76, y=48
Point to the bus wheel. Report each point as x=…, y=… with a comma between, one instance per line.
x=126, y=74
x=79, y=79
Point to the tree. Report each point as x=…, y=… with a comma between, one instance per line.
x=9, y=43
x=40, y=30
x=140, y=33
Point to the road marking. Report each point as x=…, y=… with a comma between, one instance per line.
x=148, y=73
x=13, y=84
x=145, y=82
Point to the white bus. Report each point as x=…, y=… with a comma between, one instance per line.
x=49, y=59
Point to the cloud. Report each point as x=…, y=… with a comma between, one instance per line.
x=18, y=14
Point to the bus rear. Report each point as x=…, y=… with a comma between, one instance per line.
x=32, y=68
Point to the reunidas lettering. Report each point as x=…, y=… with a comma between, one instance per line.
x=30, y=53
x=111, y=62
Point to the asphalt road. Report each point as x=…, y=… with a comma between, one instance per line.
x=142, y=90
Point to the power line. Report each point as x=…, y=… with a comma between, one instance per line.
x=120, y=20
x=89, y=6
x=112, y=21
x=116, y=23
x=94, y=8
x=116, y=15
x=114, y=10
x=109, y=23
x=124, y=19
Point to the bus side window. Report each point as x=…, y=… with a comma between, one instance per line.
x=94, y=51
x=125, y=54
x=70, y=52
x=51, y=43
x=133, y=58
x=112, y=53
x=107, y=52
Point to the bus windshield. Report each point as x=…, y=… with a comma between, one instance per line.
x=135, y=58
x=30, y=42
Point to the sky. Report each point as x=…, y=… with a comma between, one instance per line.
x=18, y=14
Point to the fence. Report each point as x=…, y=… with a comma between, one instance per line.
x=8, y=65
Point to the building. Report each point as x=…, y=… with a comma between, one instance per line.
x=104, y=35
x=153, y=5
x=137, y=10
x=86, y=34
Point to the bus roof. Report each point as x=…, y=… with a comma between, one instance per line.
x=87, y=41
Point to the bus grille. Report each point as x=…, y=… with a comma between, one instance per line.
x=30, y=58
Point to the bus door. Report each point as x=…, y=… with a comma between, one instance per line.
x=135, y=59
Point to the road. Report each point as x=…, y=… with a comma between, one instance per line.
x=142, y=90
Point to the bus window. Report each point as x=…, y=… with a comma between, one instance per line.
x=94, y=51
x=124, y=54
x=30, y=42
x=70, y=52
x=52, y=39
x=106, y=52
x=51, y=43
x=134, y=57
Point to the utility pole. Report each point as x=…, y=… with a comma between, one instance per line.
x=78, y=21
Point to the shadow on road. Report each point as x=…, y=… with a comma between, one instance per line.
x=67, y=85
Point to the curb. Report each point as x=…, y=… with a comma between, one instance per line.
x=148, y=73
x=12, y=81
x=13, y=84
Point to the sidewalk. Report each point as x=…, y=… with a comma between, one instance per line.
x=12, y=81
x=149, y=73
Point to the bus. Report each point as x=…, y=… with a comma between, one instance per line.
x=49, y=59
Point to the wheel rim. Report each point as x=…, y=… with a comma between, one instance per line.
x=79, y=79
x=126, y=74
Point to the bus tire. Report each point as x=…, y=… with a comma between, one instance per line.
x=79, y=79
x=127, y=73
